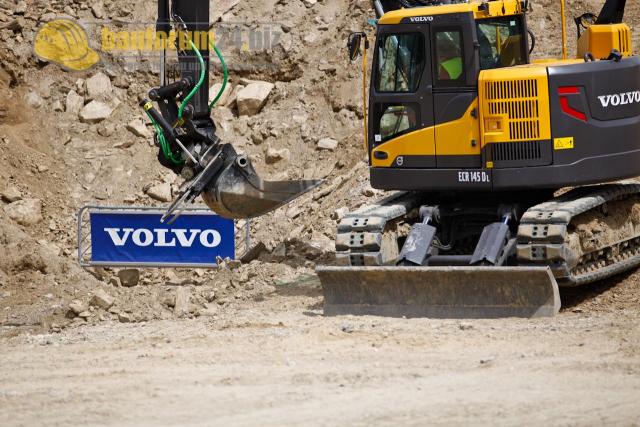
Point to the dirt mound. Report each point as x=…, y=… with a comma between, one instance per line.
x=50, y=155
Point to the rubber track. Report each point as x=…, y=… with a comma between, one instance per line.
x=360, y=231
x=558, y=213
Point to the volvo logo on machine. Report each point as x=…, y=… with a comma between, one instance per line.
x=421, y=19
x=617, y=99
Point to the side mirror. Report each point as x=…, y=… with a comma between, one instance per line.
x=353, y=45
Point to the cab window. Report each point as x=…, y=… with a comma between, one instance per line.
x=449, y=56
x=401, y=59
x=501, y=42
x=395, y=120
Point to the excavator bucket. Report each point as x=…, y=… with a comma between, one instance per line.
x=238, y=192
x=440, y=292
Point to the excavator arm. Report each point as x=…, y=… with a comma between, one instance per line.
x=186, y=134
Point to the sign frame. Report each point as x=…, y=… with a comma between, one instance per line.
x=84, y=235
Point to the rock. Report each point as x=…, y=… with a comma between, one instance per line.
x=95, y=112
x=300, y=118
x=98, y=10
x=125, y=143
x=252, y=98
x=74, y=103
x=25, y=212
x=224, y=98
x=464, y=326
x=33, y=100
x=274, y=155
x=347, y=328
x=181, y=307
x=125, y=318
x=310, y=3
x=77, y=307
x=129, y=277
x=98, y=85
x=15, y=25
x=102, y=300
x=222, y=7
x=339, y=213
x=20, y=8
x=106, y=129
x=57, y=106
x=310, y=38
x=138, y=128
x=232, y=101
x=160, y=192
x=11, y=194
x=327, y=144
x=253, y=253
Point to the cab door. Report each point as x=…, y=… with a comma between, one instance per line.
x=455, y=92
x=401, y=98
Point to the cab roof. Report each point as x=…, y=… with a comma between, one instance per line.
x=480, y=10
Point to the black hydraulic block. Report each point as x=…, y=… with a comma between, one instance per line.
x=170, y=91
x=491, y=244
x=418, y=244
x=195, y=15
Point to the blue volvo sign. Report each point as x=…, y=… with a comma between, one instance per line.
x=124, y=237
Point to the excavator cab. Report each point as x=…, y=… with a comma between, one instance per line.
x=424, y=85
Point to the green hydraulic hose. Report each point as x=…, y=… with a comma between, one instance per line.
x=225, y=71
x=164, y=145
x=197, y=86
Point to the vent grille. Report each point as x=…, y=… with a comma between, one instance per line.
x=518, y=100
x=623, y=41
x=509, y=151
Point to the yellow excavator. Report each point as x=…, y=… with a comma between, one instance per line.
x=492, y=158
x=502, y=165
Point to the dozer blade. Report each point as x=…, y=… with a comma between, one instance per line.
x=238, y=192
x=440, y=292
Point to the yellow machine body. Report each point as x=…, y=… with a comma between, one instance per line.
x=600, y=40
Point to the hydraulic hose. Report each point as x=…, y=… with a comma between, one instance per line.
x=225, y=71
x=198, y=85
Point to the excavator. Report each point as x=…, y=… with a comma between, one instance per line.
x=503, y=172
x=504, y=166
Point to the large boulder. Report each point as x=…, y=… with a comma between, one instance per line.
x=95, y=112
x=98, y=85
x=25, y=212
x=252, y=98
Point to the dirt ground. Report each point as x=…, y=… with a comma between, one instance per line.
x=247, y=344
x=279, y=362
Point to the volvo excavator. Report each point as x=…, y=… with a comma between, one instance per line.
x=504, y=164
x=500, y=166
